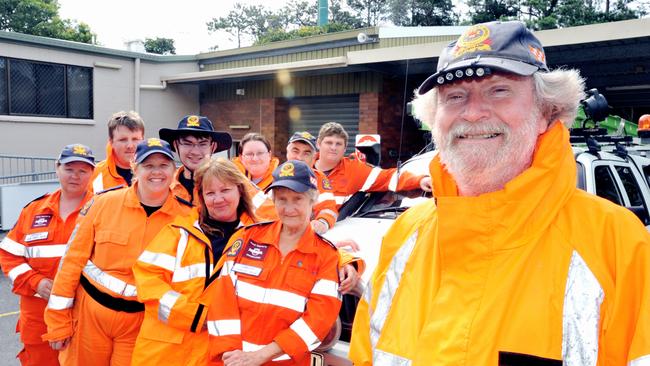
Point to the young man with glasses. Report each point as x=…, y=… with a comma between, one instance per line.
x=125, y=131
x=194, y=141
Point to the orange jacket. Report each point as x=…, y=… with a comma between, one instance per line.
x=31, y=252
x=180, y=191
x=105, y=175
x=539, y=272
x=351, y=175
x=268, y=175
x=112, y=232
x=170, y=275
x=261, y=297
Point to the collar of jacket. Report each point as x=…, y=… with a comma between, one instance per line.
x=306, y=244
x=170, y=206
x=522, y=209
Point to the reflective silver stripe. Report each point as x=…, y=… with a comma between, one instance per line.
x=327, y=211
x=305, y=333
x=270, y=296
x=641, y=361
x=190, y=272
x=326, y=288
x=18, y=270
x=224, y=327
x=372, y=177
x=60, y=302
x=341, y=199
x=380, y=357
x=389, y=288
x=109, y=282
x=252, y=347
x=166, y=304
x=258, y=199
x=392, y=184
x=161, y=260
x=12, y=247
x=327, y=196
x=98, y=183
x=583, y=297
x=45, y=251
x=226, y=269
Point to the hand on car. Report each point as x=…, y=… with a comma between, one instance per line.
x=348, y=243
x=426, y=185
x=349, y=278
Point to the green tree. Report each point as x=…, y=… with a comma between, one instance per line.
x=161, y=46
x=422, y=12
x=243, y=20
x=371, y=12
x=548, y=14
x=488, y=10
x=40, y=18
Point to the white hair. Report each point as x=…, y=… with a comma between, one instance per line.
x=557, y=94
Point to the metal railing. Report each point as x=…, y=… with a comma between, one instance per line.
x=21, y=169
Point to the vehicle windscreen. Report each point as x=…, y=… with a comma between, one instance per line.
x=389, y=205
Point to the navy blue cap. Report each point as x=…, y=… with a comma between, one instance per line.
x=295, y=175
x=76, y=152
x=487, y=47
x=305, y=137
x=196, y=125
x=150, y=146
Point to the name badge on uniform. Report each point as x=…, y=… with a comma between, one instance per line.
x=41, y=221
x=246, y=269
x=36, y=236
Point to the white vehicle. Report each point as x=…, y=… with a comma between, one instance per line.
x=619, y=175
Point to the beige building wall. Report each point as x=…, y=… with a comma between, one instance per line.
x=116, y=86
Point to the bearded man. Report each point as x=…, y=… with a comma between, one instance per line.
x=509, y=263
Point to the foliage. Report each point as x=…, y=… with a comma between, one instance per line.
x=281, y=35
x=371, y=12
x=161, y=46
x=40, y=18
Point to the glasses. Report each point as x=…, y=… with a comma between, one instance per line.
x=203, y=145
x=258, y=154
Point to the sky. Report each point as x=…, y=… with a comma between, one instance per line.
x=117, y=21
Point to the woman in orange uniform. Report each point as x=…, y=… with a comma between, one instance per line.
x=97, y=323
x=30, y=253
x=172, y=272
x=277, y=295
x=256, y=160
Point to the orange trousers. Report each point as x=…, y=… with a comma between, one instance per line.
x=31, y=327
x=102, y=337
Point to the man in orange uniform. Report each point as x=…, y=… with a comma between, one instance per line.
x=510, y=264
x=30, y=253
x=348, y=175
x=98, y=322
x=277, y=294
x=195, y=140
x=125, y=131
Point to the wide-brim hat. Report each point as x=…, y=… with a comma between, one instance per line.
x=76, y=152
x=196, y=125
x=487, y=47
x=295, y=175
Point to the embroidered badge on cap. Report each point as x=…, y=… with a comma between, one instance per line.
x=256, y=251
x=152, y=141
x=234, y=249
x=80, y=150
x=41, y=221
x=193, y=121
x=287, y=170
x=475, y=39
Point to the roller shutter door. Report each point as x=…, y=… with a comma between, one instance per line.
x=314, y=111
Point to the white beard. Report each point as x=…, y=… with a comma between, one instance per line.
x=487, y=168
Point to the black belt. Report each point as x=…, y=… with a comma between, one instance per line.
x=113, y=303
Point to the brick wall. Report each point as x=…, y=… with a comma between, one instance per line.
x=267, y=116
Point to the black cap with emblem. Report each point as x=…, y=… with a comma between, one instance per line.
x=484, y=48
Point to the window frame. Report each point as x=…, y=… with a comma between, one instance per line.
x=66, y=92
